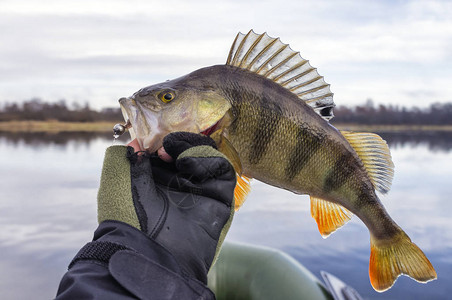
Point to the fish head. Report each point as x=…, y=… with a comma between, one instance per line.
x=183, y=104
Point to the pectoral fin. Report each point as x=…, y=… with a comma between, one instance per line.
x=328, y=215
x=225, y=147
x=243, y=186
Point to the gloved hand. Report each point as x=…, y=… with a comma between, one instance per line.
x=185, y=206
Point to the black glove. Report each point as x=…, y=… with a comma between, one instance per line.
x=177, y=142
x=186, y=206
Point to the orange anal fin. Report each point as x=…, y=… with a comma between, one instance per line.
x=395, y=257
x=242, y=188
x=328, y=215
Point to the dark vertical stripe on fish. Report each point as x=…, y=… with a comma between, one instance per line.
x=305, y=148
x=339, y=174
x=267, y=124
x=235, y=117
x=237, y=98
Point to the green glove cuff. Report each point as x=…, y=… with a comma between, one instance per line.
x=114, y=198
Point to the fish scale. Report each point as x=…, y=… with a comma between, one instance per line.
x=268, y=111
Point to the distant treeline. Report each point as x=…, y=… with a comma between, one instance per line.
x=38, y=110
x=435, y=114
x=368, y=113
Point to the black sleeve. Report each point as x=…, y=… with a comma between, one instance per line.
x=123, y=263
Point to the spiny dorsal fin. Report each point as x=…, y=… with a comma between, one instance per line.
x=328, y=215
x=274, y=60
x=374, y=153
x=242, y=188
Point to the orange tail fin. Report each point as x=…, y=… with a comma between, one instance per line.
x=398, y=256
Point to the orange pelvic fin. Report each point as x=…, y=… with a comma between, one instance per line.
x=399, y=256
x=242, y=188
x=328, y=215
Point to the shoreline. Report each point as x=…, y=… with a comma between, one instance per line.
x=106, y=127
x=55, y=126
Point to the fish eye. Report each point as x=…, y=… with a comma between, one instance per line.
x=166, y=96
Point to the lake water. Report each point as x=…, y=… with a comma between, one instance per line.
x=48, y=192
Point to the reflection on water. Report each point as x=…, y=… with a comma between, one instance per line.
x=48, y=189
x=45, y=139
x=434, y=140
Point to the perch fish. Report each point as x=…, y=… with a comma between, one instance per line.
x=268, y=110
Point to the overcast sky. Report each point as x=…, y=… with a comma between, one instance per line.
x=397, y=52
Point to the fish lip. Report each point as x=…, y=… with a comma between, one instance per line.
x=129, y=113
x=124, y=113
x=141, y=128
x=124, y=105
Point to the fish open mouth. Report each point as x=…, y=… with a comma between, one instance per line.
x=135, y=121
x=147, y=128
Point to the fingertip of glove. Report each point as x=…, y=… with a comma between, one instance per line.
x=201, y=151
x=176, y=143
x=194, y=139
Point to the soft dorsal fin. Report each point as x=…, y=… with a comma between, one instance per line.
x=274, y=60
x=374, y=153
x=328, y=215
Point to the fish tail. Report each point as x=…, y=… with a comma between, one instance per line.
x=398, y=256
